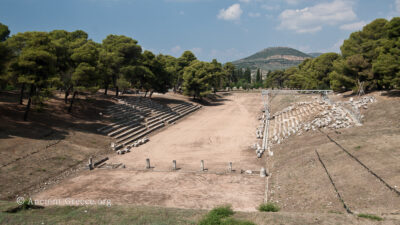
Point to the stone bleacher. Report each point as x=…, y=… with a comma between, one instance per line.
x=304, y=116
x=135, y=117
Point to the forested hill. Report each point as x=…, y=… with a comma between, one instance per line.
x=275, y=58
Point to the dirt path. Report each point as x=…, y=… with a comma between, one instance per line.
x=217, y=134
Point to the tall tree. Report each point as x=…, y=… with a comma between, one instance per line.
x=184, y=61
x=247, y=75
x=66, y=43
x=5, y=54
x=196, y=79
x=229, y=70
x=85, y=76
x=258, y=76
x=34, y=64
x=126, y=53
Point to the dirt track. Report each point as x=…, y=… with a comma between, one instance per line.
x=218, y=134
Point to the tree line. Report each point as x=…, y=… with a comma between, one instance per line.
x=37, y=63
x=369, y=60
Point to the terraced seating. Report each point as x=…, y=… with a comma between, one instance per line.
x=306, y=116
x=135, y=117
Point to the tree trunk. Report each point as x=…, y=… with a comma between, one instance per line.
x=145, y=94
x=66, y=95
x=151, y=93
x=72, y=102
x=21, y=97
x=105, y=89
x=28, y=106
x=116, y=91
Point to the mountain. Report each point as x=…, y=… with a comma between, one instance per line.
x=275, y=58
x=315, y=54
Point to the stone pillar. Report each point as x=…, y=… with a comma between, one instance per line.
x=147, y=163
x=173, y=164
x=91, y=167
x=262, y=172
x=202, y=165
x=230, y=167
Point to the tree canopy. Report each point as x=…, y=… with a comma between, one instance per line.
x=39, y=62
x=369, y=60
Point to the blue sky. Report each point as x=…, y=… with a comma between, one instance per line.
x=223, y=29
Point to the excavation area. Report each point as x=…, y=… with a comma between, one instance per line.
x=337, y=155
x=219, y=134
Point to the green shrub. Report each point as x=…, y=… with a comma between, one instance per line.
x=232, y=221
x=222, y=211
x=216, y=214
x=220, y=216
x=268, y=207
x=370, y=216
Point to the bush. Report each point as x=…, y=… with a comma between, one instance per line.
x=370, y=216
x=222, y=211
x=268, y=207
x=219, y=216
x=232, y=221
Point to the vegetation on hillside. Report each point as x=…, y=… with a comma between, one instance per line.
x=262, y=60
x=369, y=60
x=36, y=63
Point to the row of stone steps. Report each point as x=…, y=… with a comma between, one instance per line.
x=136, y=117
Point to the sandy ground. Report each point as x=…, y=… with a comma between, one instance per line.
x=218, y=134
x=52, y=143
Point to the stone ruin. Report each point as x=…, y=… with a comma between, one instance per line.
x=305, y=116
x=302, y=117
x=129, y=147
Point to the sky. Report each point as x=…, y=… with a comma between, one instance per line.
x=223, y=29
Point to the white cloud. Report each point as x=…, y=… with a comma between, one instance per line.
x=245, y=1
x=312, y=19
x=253, y=15
x=353, y=26
x=232, y=13
x=177, y=49
x=397, y=6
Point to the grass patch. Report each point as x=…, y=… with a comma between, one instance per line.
x=60, y=158
x=357, y=147
x=333, y=211
x=370, y=216
x=98, y=215
x=221, y=216
x=268, y=207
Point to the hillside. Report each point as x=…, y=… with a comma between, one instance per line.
x=274, y=58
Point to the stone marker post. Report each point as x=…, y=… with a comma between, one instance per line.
x=230, y=167
x=91, y=167
x=173, y=164
x=262, y=172
x=147, y=163
x=202, y=165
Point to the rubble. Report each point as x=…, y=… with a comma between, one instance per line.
x=134, y=144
